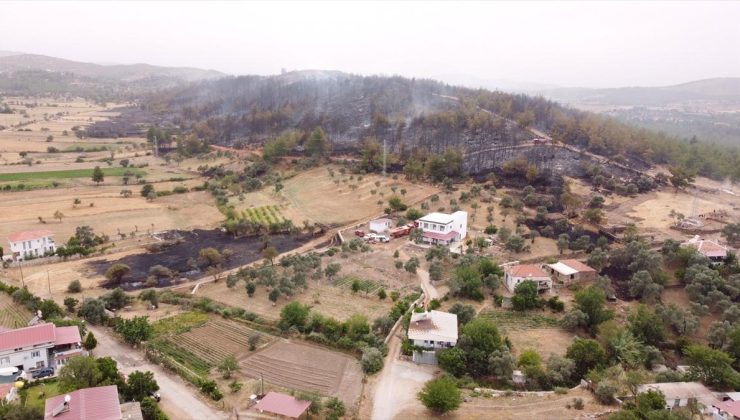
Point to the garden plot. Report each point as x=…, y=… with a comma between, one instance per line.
x=307, y=368
x=529, y=330
x=12, y=315
x=206, y=344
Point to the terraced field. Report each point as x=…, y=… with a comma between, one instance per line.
x=265, y=215
x=307, y=368
x=12, y=315
x=366, y=286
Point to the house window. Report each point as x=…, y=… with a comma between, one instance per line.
x=5, y=360
x=572, y=276
x=36, y=354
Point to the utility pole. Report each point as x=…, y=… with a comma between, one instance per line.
x=156, y=148
x=48, y=283
x=20, y=267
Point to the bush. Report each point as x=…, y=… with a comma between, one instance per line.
x=490, y=230
x=74, y=286
x=578, y=403
x=605, y=393
x=440, y=395
x=372, y=360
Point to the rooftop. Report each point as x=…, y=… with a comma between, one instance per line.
x=381, y=220
x=27, y=337
x=730, y=407
x=99, y=403
x=434, y=325
x=707, y=247
x=29, y=235
x=131, y=411
x=526, y=270
x=283, y=405
x=682, y=390
x=441, y=218
x=562, y=268
x=577, y=265
x=67, y=335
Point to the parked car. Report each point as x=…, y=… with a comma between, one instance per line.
x=155, y=395
x=42, y=373
x=359, y=233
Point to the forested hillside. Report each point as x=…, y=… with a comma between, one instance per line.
x=411, y=114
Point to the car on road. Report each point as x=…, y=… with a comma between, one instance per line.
x=155, y=395
x=42, y=373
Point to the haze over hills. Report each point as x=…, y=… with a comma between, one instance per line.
x=121, y=72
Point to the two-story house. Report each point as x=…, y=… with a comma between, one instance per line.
x=31, y=244
x=39, y=346
x=443, y=229
x=433, y=329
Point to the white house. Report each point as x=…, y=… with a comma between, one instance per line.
x=515, y=274
x=380, y=225
x=39, y=346
x=433, y=330
x=571, y=271
x=678, y=394
x=31, y=244
x=444, y=229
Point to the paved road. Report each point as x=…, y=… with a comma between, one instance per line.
x=179, y=400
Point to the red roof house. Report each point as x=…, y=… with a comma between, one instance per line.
x=36, y=335
x=29, y=235
x=730, y=409
x=282, y=405
x=99, y=403
x=515, y=274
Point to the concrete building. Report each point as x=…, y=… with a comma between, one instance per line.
x=678, y=394
x=433, y=330
x=31, y=244
x=39, y=346
x=570, y=271
x=444, y=229
x=380, y=225
x=515, y=274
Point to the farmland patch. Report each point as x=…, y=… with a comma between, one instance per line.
x=12, y=315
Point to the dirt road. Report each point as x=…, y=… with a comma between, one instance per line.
x=179, y=400
x=399, y=383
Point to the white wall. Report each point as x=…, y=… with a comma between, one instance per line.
x=35, y=247
x=436, y=345
x=460, y=223
x=25, y=358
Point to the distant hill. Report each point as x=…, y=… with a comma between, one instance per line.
x=117, y=72
x=727, y=88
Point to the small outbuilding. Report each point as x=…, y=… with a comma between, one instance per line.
x=283, y=406
x=380, y=225
x=715, y=252
x=571, y=271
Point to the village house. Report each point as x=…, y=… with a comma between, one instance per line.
x=727, y=410
x=380, y=225
x=39, y=346
x=100, y=403
x=571, y=271
x=678, y=394
x=31, y=244
x=515, y=274
x=708, y=248
x=283, y=406
x=443, y=229
x=433, y=330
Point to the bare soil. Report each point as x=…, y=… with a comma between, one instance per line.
x=307, y=368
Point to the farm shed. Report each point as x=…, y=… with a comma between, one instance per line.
x=283, y=405
x=380, y=225
x=571, y=271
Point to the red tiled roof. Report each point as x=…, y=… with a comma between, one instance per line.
x=731, y=407
x=29, y=235
x=28, y=336
x=712, y=249
x=526, y=270
x=577, y=265
x=99, y=403
x=67, y=335
x=283, y=405
x=440, y=236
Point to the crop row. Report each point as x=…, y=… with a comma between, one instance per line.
x=364, y=285
x=267, y=215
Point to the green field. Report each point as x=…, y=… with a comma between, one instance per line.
x=36, y=396
x=266, y=215
x=71, y=173
x=366, y=286
x=511, y=319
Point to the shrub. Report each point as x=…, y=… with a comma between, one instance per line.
x=372, y=360
x=74, y=286
x=440, y=395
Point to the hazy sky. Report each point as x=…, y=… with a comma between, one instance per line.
x=572, y=44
